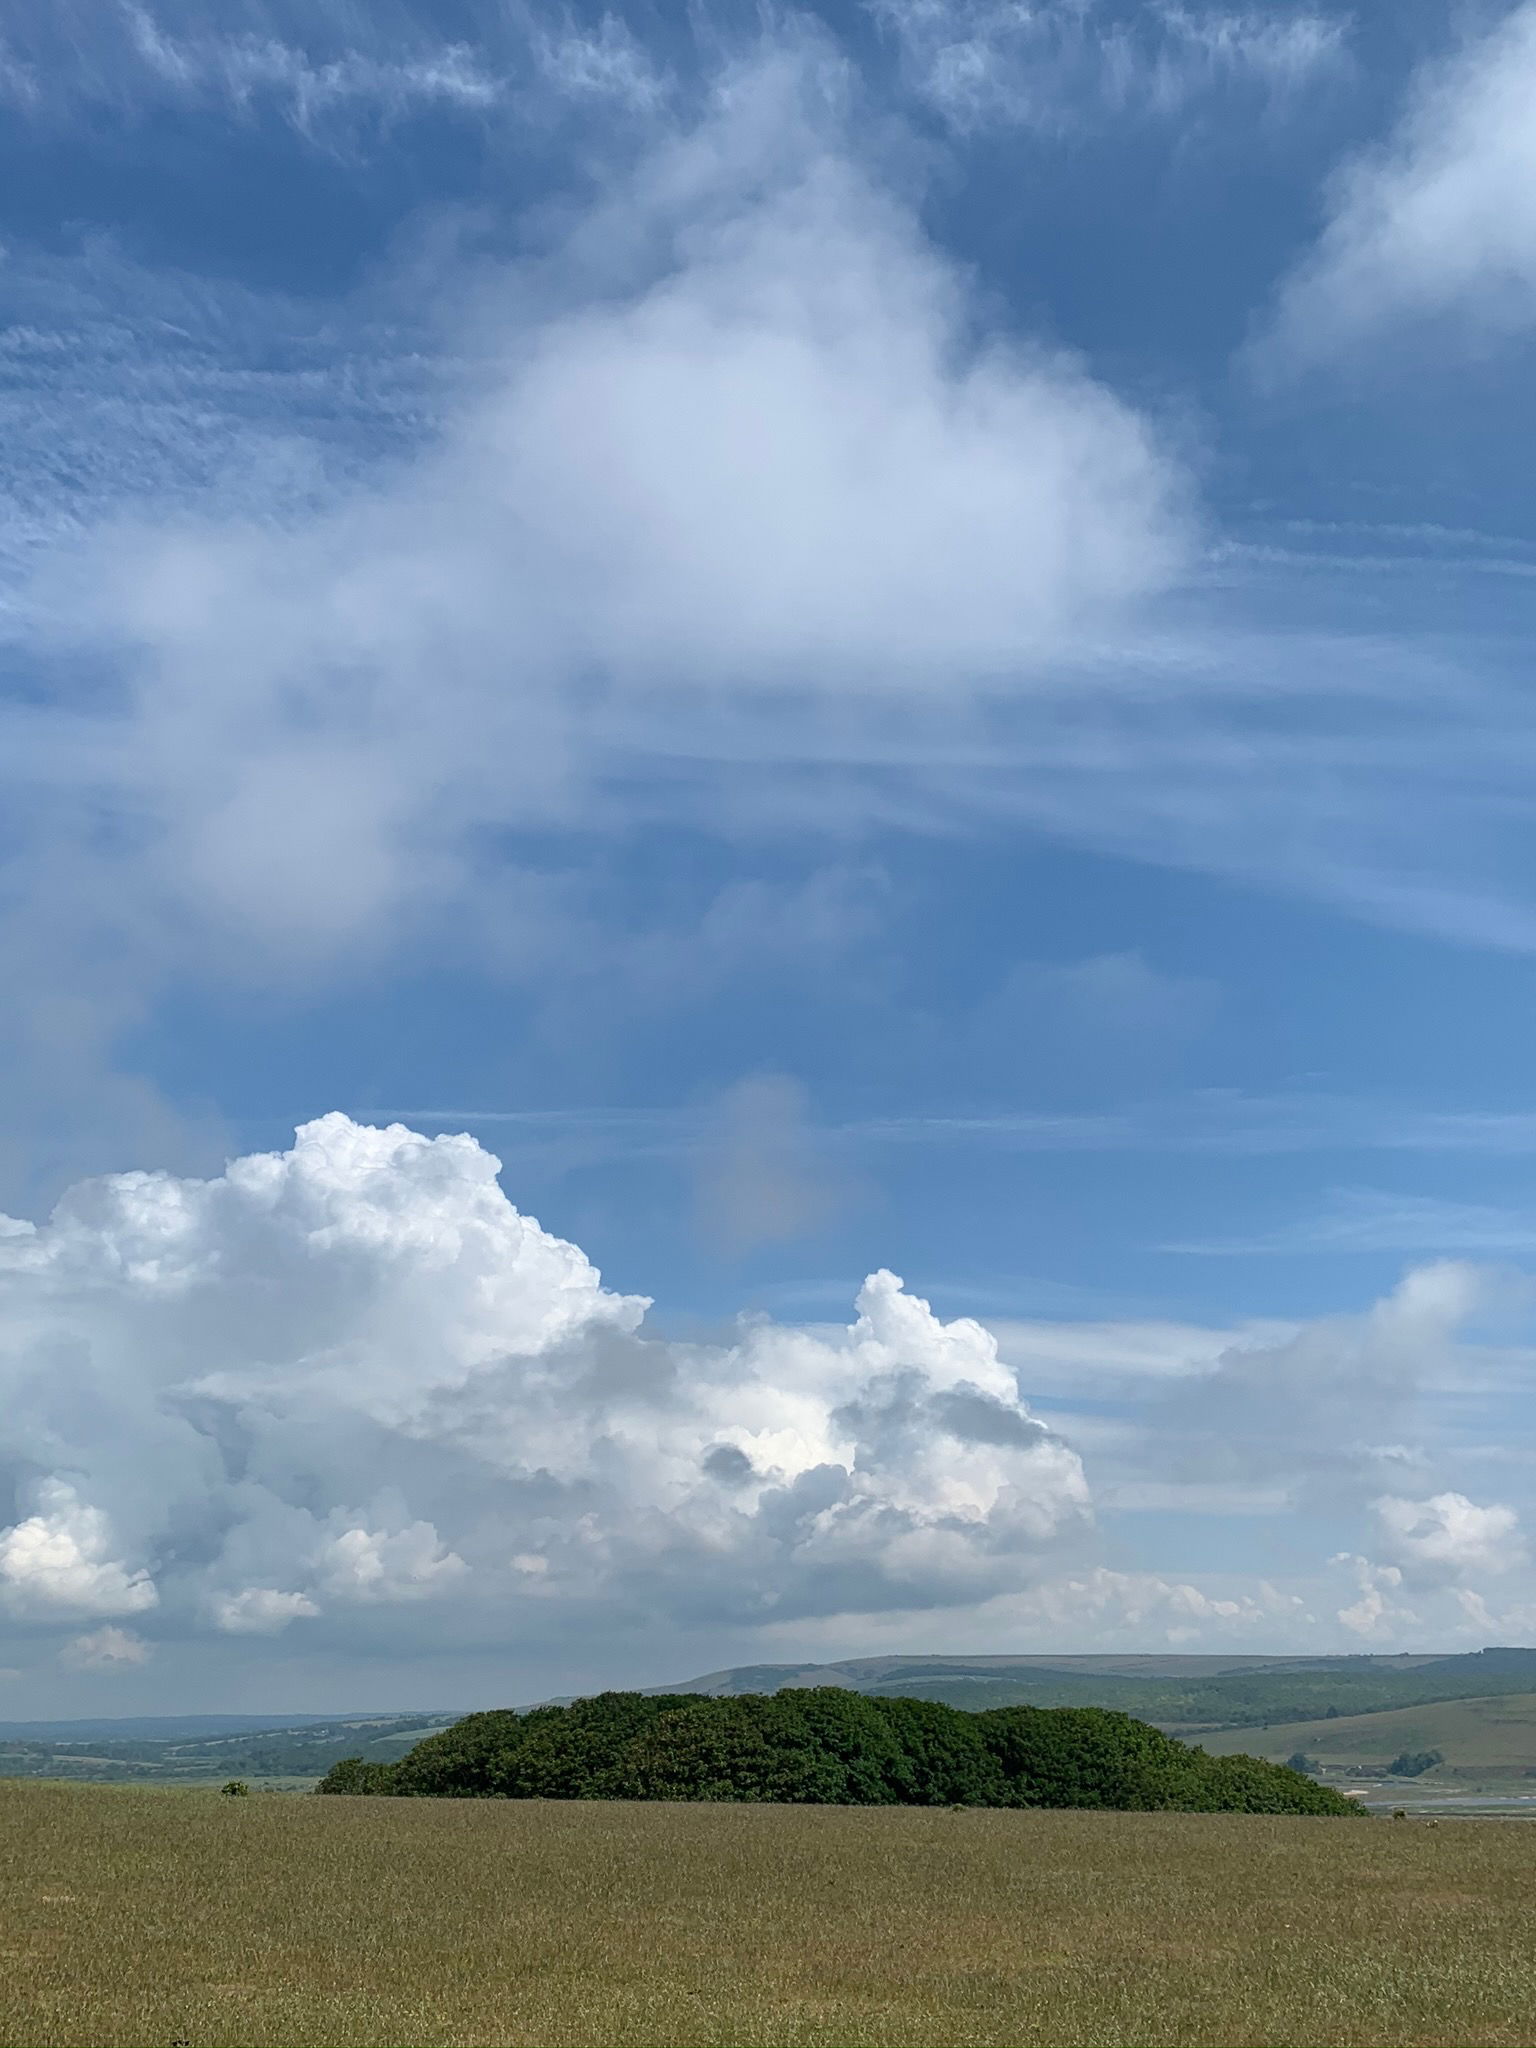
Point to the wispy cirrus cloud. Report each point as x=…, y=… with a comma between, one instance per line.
x=1373, y=1220
x=656, y=527
x=1055, y=65
x=775, y=463
x=1210, y=1120
x=325, y=70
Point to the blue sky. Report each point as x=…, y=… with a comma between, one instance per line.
x=885, y=638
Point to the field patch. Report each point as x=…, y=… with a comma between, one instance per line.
x=143, y=1917
x=1487, y=1742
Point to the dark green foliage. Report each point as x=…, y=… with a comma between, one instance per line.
x=1092, y=1756
x=551, y=1753
x=949, y=1761
x=353, y=1775
x=749, y=1748
x=462, y=1762
x=237, y=1788
x=1298, y=1760
x=828, y=1746
x=1414, y=1763
x=1247, y=1784
x=585, y=1750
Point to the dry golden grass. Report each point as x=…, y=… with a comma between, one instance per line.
x=157, y=1917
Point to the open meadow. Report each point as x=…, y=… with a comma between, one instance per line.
x=152, y=1917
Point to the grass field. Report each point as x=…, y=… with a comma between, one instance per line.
x=165, y=1917
x=1488, y=1741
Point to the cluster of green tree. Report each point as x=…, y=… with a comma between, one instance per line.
x=830, y=1746
x=1238, y=1699
x=1413, y=1763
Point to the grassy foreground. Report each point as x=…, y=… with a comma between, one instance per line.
x=163, y=1917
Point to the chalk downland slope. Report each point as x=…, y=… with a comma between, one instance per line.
x=1186, y=1694
x=1483, y=1741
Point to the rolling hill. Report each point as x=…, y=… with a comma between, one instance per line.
x=1484, y=1742
x=1186, y=1694
x=123, y=1752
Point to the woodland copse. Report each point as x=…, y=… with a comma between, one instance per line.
x=833, y=1747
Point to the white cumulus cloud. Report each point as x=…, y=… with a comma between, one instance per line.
x=1448, y=1537
x=1438, y=220
x=371, y=1564
x=349, y=1395
x=59, y=1561
x=260, y=1610
x=1432, y=1561
x=105, y=1649
x=351, y=1380
x=1378, y=1612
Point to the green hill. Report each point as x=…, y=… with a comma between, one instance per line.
x=277, y=1751
x=1185, y=1693
x=830, y=1746
x=1484, y=1742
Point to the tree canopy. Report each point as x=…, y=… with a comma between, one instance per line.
x=826, y=1746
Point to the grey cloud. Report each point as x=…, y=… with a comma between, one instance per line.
x=1327, y=1405
x=727, y=1464
x=976, y=1418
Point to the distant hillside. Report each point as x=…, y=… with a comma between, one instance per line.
x=294, y=1749
x=1480, y=1740
x=1185, y=1693
x=194, y=1727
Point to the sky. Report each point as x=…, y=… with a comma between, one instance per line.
x=768, y=868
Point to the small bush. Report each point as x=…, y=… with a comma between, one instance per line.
x=1414, y=1763
x=237, y=1788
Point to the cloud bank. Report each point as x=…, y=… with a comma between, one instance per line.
x=348, y=1395
x=351, y=1379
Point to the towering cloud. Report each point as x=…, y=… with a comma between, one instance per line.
x=352, y=1378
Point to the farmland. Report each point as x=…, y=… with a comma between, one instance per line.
x=153, y=1752
x=1180, y=1693
x=1485, y=1743
x=138, y=1916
